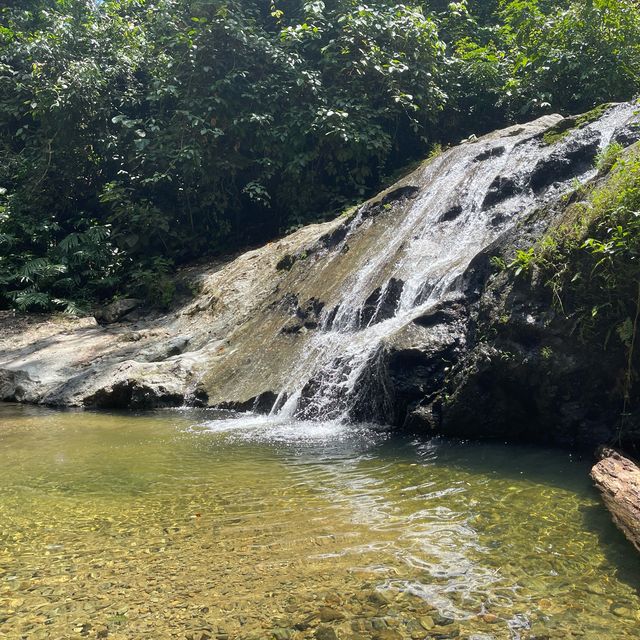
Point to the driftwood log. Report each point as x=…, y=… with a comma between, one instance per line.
x=618, y=479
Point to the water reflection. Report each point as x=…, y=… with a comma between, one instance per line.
x=180, y=523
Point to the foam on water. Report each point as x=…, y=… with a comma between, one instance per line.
x=252, y=427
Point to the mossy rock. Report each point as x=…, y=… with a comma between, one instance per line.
x=561, y=130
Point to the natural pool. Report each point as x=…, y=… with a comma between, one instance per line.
x=175, y=524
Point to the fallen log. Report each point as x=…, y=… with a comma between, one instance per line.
x=618, y=480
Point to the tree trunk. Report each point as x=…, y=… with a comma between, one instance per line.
x=618, y=480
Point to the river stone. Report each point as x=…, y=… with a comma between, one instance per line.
x=489, y=618
x=386, y=634
x=378, y=599
x=327, y=614
x=427, y=623
x=445, y=633
x=324, y=632
x=441, y=620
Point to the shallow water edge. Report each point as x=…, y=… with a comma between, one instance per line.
x=192, y=524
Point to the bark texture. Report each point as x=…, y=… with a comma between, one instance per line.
x=618, y=480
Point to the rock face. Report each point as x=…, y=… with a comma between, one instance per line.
x=392, y=313
x=618, y=480
x=116, y=310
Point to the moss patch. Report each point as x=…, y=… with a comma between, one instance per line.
x=564, y=127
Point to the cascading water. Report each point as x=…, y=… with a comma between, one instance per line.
x=468, y=196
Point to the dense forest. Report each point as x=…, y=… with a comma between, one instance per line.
x=136, y=135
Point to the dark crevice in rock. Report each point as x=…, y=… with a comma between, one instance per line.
x=396, y=196
x=426, y=289
x=492, y=152
x=381, y=303
x=443, y=313
x=286, y=262
x=569, y=161
x=199, y=398
x=451, y=213
x=262, y=403
x=626, y=136
x=333, y=239
x=499, y=190
x=306, y=317
x=331, y=316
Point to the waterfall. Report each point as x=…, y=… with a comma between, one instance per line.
x=466, y=198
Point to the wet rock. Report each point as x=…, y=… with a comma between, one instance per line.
x=424, y=418
x=446, y=312
x=445, y=633
x=623, y=612
x=489, y=618
x=379, y=624
x=133, y=393
x=500, y=189
x=491, y=152
x=15, y=385
x=382, y=303
x=427, y=623
x=378, y=599
x=451, y=214
x=286, y=262
x=303, y=625
x=262, y=403
x=441, y=620
x=417, y=359
x=324, y=632
x=628, y=135
x=387, y=634
x=327, y=614
x=387, y=199
x=571, y=159
x=307, y=317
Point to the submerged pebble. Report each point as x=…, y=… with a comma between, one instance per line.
x=148, y=530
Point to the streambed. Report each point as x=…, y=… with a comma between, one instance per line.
x=195, y=524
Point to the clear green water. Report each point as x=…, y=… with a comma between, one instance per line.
x=175, y=525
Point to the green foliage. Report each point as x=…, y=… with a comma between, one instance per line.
x=498, y=263
x=136, y=135
x=608, y=157
x=575, y=55
x=591, y=261
x=523, y=261
x=564, y=127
